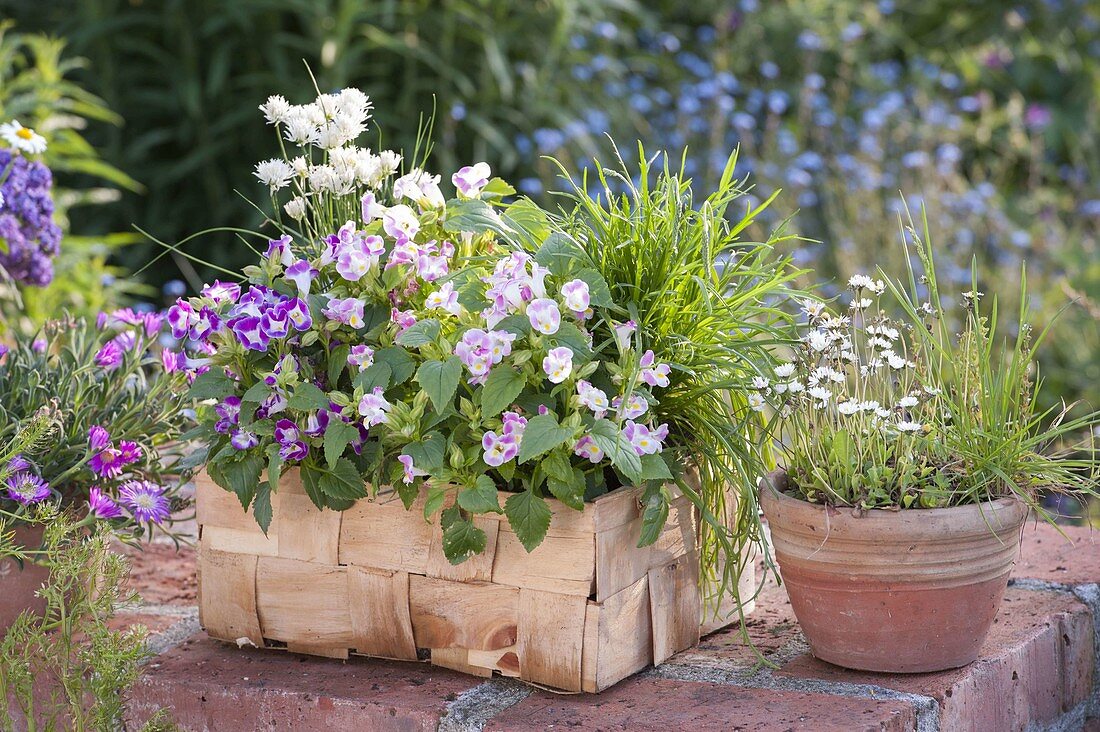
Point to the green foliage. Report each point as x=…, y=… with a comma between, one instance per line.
x=70, y=653
x=37, y=88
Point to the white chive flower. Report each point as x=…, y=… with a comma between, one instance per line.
x=275, y=173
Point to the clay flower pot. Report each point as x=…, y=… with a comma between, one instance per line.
x=893, y=591
x=18, y=584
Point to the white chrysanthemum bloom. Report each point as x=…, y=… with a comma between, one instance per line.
x=298, y=127
x=849, y=356
x=756, y=402
x=882, y=413
x=275, y=173
x=368, y=168
x=869, y=406
x=972, y=296
x=22, y=138
x=390, y=161
x=780, y=387
x=897, y=363
x=784, y=370
x=795, y=386
x=848, y=408
x=833, y=322
x=812, y=308
x=820, y=393
x=330, y=136
x=344, y=158
x=906, y=426
x=908, y=402
x=759, y=382
x=296, y=208
x=860, y=282
x=817, y=340
x=927, y=309
x=420, y=187
x=275, y=109
x=880, y=343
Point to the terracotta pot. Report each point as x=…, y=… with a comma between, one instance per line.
x=18, y=584
x=894, y=591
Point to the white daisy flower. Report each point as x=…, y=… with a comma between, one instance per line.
x=23, y=138
x=908, y=402
x=756, y=402
x=860, y=282
x=784, y=370
x=906, y=426
x=760, y=383
x=818, y=340
x=848, y=407
x=820, y=393
x=860, y=304
x=897, y=363
x=795, y=386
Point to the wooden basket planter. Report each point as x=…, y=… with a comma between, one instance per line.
x=584, y=610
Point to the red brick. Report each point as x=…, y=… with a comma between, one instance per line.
x=643, y=704
x=211, y=686
x=155, y=624
x=163, y=575
x=1036, y=664
x=769, y=627
x=1050, y=556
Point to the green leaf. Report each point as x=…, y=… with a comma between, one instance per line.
x=242, y=476
x=501, y=388
x=434, y=501
x=420, y=333
x=400, y=362
x=474, y=216
x=618, y=449
x=311, y=482
x=274, y=466
x=337, y=436
x=342, y=481
x=440, y=380
x=570, y=490
x=429, y=453
x=462, y=540
x=498, y=188
x=556, y=465
x=571, y=336
x=482, y=498
x=558, y=253
x=337, y=362
x=654, y=517
x=598, y=291
x=542, y=434
x=654, y=467
x=518, y=325
x=256, y=393
x=261, y=507
x=378, y=374
x=213, y=384
x=529, y=516
x=307, y=396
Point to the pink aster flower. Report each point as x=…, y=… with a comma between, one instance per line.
x=558, y=364
x=109, y=356
x=544, y=316
x=98, y=438
x=27, y=488
x=171, y=360
x=471, y=179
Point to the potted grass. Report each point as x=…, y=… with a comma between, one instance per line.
x=445, y=417
x=96, y=411
x=912, y=456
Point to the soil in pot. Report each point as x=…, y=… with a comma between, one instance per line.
x=894, y=591
x=18, y=584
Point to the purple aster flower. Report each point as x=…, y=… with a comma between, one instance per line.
x=101, y=505
x=109, y=356
x=243, y=440
x=129, y=452
x=107, y=463
x=98, y=438
x=38, y=345
x=152, y=322
x=18, y=464
x=294, y=451
x=145, y=501
x=544, y=316
x=27, y=488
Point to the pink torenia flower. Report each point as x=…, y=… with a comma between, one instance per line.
x=370, y=207
x=544, y=316
x=404, y=318
x=587, y=448
x=558, y=364
x=361, y=357
x=445, y=298
x=644, y=440
x=410, y=470
x=576, y=296
x=500, y=344
x=498, y=450
x=348, y=311
x=374, y=408
x=475, y=350
x=654, y=375
x=471, y=179
x=400, y=222
x=514, y=424
x=593, y=398
x=358, y=257
x=635, y=406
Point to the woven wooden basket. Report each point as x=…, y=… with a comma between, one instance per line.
x=584, y=610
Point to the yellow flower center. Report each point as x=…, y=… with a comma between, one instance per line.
x=24, y=132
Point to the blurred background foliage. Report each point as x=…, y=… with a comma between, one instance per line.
x=986, y=111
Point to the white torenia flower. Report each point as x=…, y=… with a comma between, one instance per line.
x=400, y=222
x=275, y=173
x=445, y=298
x=558, y=364
x=756, y=402
x=22, y=138
x=420, y=187
x=275, y=109
x=471, y=179
x=295, y=208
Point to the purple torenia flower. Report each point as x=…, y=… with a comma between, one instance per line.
x=109, y=356
x=544, y=315
x=558, y=364
x=403, y=318
x=27, y=488
x=632, y=408
x=297, y=312
x=575, y=295
x=302, y=274
x=280, y=249
x=98, y=438
x=296, y=450
x=205, y=322
x=593, y=398
x=587, y=448
x=274, y=324
x=181, y=317
x=145, y=500
x=475, y=350
x=152, y=322
x=243, y=440
x=445, y=298
x=374, y=407
x=317, y=423
x=171, y=360
x=409, y=469
x=249, y=333
x=228, y=412
x=101, y=505
x=498, y=450
x=222, y=292
x=400, y=222
x=470, y=179
x=644, y=440
x=514, y=424
x=348, y=311
x=654, y=375
x=359, y=256
x=361, y=357
x=623, y=333
x=286, y=432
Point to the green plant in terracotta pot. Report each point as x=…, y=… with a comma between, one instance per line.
x=913, y=454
